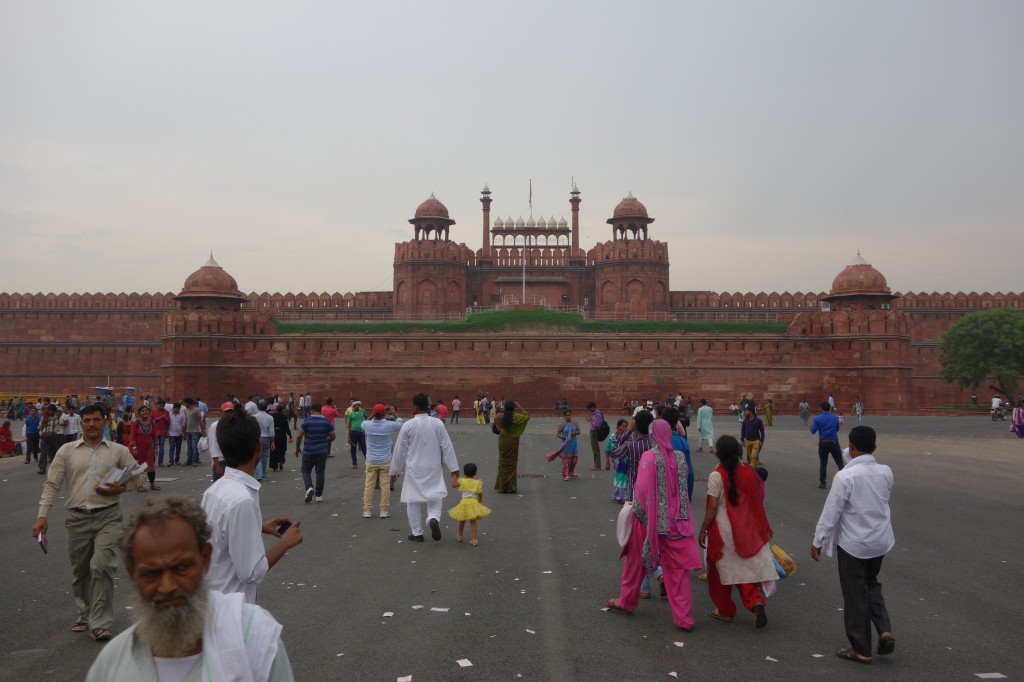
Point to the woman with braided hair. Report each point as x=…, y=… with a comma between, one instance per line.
x=736, y=534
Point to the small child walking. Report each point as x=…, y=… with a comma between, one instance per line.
x=470, y=508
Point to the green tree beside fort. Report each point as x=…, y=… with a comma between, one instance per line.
x=984, y=346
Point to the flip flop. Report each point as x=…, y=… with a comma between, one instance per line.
x=849, y=654
x=886, y=645
x=715, y=614
x=101, y=635
x=80, y=626
x=615, y=605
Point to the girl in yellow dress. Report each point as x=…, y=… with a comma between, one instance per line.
x=470, y=508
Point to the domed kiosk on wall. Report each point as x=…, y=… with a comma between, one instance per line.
x=210, y=288
x=859, y=287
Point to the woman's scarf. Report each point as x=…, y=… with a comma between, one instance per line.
x=658, y=503
x=750, y=528
x=574, y=430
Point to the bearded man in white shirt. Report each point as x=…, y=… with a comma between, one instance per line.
x=857, y=524
x=182, y=630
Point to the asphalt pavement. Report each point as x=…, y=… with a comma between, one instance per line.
x=358, y=601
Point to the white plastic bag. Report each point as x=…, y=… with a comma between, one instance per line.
x=624, y=523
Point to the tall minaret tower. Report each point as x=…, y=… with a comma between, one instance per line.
x=485, y=199
x=575, y=202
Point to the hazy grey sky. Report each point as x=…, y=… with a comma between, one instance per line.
x=769, y=140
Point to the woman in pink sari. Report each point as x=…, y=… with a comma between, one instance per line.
x=662, y=533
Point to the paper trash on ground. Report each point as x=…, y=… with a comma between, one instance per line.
x=769, y=658
x=388, y=614
x=680, y=643
x=464, y=662
x=407, y=678
x=442, y=609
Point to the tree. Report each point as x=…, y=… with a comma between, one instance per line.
x=985, y=345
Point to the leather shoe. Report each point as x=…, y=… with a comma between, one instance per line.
x=415, y=538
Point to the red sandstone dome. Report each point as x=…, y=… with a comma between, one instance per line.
x=211, y=281
x=432, y=208
x=630, y=207
x=859, y=278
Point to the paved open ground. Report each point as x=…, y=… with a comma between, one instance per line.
x=526, y=603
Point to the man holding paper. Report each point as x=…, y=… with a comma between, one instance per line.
x=93, y=518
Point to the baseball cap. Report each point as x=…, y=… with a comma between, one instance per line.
x=379, y=410
x=227, y=407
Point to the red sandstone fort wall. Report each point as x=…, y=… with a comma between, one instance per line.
x=57, y=343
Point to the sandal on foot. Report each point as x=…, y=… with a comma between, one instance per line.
x=886, y=645
x=458, y=538
x=80, y=626
x=703, y=576
x=850, y=655
x=715, y=614
x=616, y=605
x=473, y=542
x=101, y=634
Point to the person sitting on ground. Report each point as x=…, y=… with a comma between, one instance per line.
x=182, y=629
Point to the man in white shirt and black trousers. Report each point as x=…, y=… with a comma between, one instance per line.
x=857, y=523
x=239, y=561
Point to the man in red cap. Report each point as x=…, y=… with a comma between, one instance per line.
x=378, y=430
x=216, y=458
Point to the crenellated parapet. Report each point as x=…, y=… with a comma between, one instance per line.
x=958, y=300
x=87, y=301
x=429, y=250
x=774, y=301
x=635, y=249
x=277, y=303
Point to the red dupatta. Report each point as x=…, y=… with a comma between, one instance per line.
x=750, y=528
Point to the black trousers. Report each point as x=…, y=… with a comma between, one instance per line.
x=826, y=448
x=863, y=605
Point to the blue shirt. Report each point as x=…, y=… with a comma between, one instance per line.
x=378, y=439
x=32, y=424
x=679, y=443
x=315, y=430
x=826, y=425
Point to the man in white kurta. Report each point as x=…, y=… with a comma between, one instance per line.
x=425, y=453
x=705, y=426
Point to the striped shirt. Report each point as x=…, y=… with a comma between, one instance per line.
x=315, y=429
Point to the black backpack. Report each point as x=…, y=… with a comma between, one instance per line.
x=603, y=431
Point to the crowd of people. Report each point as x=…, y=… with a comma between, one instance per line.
x=198, y=566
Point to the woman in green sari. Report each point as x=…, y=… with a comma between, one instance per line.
x=511, y=426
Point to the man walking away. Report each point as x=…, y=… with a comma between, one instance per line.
x=318, y=433
x=857, y=524
x=424, y=452
x=826, y=425
x=378, y=430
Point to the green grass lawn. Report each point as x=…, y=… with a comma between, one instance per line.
x=511, y=320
